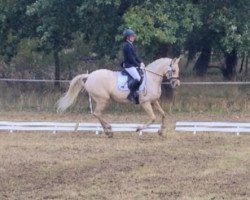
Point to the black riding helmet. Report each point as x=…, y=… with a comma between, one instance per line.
x=128, y=32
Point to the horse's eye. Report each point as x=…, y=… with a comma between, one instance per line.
x=173, y=70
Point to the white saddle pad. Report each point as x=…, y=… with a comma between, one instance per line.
x=122, y=83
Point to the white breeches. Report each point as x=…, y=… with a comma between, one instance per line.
x=134, y=73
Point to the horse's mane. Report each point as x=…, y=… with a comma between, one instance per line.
x=158, y=62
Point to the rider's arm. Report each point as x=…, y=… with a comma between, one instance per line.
x=137, y=58
x=142, y=65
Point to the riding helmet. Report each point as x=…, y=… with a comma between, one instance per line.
x=128, y=32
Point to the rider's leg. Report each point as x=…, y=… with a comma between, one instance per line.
x=134, y=86
x=133, y=95
x=133, y=72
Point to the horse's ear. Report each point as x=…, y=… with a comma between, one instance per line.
x=176, y=60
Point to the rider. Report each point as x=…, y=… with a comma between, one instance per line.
x=131, y=64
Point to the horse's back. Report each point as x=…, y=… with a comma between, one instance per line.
x=100, y=81
x=101, y=75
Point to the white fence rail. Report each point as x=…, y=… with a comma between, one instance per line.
x=231, y=127
x=71, y=127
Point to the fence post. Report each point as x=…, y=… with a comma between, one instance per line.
x=76, y=126
x=194, y=130
x=238, y=133
x=54, y=132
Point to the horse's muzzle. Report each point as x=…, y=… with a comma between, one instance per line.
x=175, y=82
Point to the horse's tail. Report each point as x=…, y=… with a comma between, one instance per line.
x=76, y=85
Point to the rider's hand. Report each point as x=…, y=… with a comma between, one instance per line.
x=142, y=65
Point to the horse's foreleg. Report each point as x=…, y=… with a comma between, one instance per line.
x=149, y=110
x=158, y=107
x=100, y=106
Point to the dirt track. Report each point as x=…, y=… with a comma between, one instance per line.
x=86, y=166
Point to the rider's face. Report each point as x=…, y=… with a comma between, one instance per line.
x=131, y=38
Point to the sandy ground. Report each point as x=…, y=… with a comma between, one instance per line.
x=85, y=166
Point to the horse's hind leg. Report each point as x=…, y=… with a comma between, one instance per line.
x=158, y=107
x=100, y=106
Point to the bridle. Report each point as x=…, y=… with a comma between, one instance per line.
x=169, y=72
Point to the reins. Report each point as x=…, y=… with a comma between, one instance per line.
x=171, y=78
x=153, y=72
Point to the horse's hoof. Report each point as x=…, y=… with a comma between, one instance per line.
x=138, y=129
x=109, y=132
x=160, y=132
x=110, y=135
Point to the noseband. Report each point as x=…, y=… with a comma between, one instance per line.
x=170, y=72
x=174, y=78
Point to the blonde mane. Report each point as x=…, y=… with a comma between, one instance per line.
x=159, y=63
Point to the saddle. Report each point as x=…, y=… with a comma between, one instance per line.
x=130, y=79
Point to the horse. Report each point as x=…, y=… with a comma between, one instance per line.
x=101, y=85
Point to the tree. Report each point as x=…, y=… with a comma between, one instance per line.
x=100, y=20
x=165, y=28
x=225, y=28
x=56, y=22
x=162, y=23
x=5, y=41
x=14, y=25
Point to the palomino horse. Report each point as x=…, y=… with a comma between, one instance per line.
x=101, y=85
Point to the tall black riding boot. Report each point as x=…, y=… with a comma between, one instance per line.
x=133, y=95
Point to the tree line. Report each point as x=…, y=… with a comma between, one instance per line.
x=164, y=27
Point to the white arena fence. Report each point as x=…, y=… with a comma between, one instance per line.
x=230, y=127
x=55, y=127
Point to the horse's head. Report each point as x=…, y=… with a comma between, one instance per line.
x=172, y=73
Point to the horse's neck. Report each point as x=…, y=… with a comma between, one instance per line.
x=158, y=65
x=156, y=79
x=154, y=72
x=153, y=81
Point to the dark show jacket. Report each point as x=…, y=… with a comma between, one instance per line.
x=130, y=57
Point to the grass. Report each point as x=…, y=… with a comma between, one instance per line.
x=191, y=99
